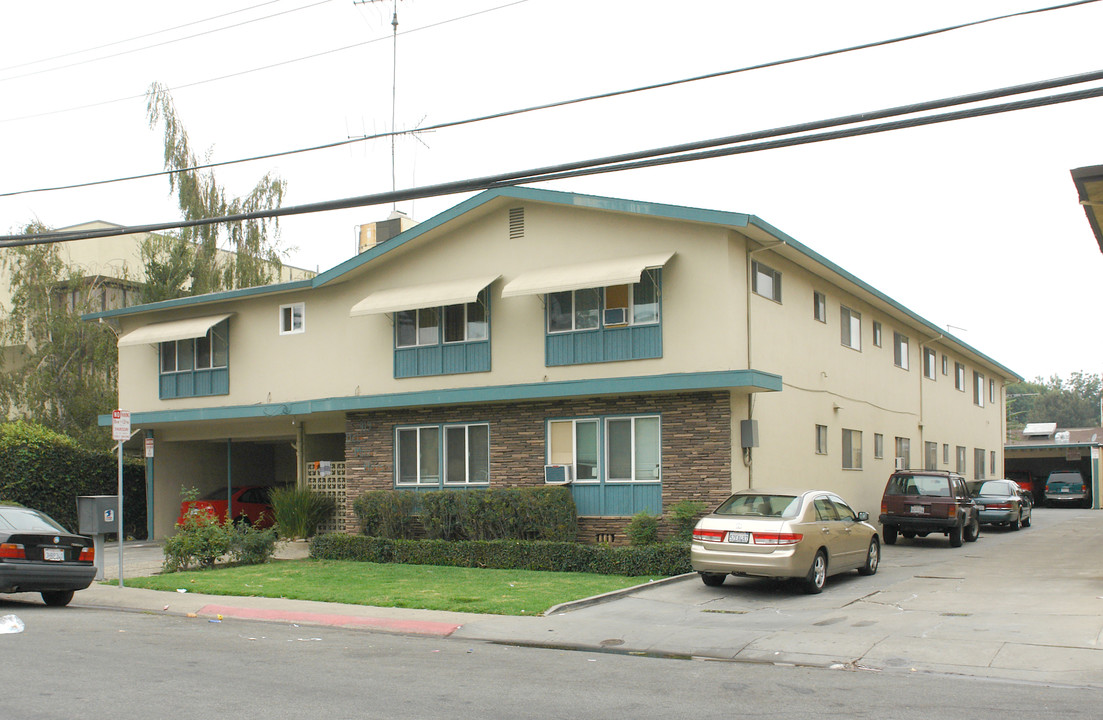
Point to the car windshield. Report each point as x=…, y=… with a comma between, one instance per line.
x=918, y=485
x=219, y=494
x=27, y=520
x=760, y=505
x=992, y=488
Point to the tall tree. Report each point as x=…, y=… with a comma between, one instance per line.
x=254, y=256
x=56, y=370
x=1070, y=403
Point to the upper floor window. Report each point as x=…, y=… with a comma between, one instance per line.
x=959, y=376
x=196, y=367
x=878, y=445
x=614, y=306
x=929, y=359
x=202, y=353
x=978, y=389
x=852, y=449
x=992, y=391
x=821, y=439
x=876, y=333
x=819, y=306
x=851, y=328
x=465, y=322
x=900, y=350
x=945, y=365
x=292, y=318
x=765, y=281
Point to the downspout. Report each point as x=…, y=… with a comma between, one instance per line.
x=229, y=483
x=923, y=420
x=748, y=460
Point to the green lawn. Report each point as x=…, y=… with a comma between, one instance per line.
x=430, y=587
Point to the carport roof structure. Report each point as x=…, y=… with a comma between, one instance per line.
x=1089, y=186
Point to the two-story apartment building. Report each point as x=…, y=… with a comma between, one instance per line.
x=647, y=353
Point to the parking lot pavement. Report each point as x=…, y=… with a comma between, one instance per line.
x=1024, y=605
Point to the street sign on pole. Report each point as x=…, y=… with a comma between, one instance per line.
x=120, y=425
x=120, y=432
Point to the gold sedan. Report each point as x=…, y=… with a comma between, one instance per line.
x=807, y=534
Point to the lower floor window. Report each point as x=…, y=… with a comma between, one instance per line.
x=435, y=455
x=628, y=451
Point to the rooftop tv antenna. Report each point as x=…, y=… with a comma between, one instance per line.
x=394, y=84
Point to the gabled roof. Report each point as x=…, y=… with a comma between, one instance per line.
x=485, y=201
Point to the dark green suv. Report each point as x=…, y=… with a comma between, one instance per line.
x=919, y=502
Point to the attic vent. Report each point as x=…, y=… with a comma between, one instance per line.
x=516, y=223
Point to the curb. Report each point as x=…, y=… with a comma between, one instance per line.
x=612, y=595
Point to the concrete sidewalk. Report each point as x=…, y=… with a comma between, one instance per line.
x=1024, y=606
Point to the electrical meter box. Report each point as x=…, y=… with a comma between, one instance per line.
x=97, y=514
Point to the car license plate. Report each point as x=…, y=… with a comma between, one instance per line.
x=1064, y=489
x=739, y=537
x=53, y=554
x=917, y=509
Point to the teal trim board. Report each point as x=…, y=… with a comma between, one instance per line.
x=748, y=380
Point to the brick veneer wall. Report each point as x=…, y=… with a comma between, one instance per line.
x=696, y=446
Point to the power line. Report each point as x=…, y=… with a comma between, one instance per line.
x=132, y=39
x=271, y=66
x=545, y=106
x=688, y=152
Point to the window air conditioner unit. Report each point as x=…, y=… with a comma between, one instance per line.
x=900, y=464
x=557, y=474
x=616, y=316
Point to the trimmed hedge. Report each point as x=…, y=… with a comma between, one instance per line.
x=663, y=559
x=46, y=471
x=531, y=513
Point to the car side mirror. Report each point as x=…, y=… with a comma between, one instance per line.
x=863, y=516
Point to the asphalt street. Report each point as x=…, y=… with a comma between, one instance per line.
x=1023, y=606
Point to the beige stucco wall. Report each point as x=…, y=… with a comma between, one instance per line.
x=827, y=383
x=342, y=356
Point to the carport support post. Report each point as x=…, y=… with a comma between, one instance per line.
x=229, y=483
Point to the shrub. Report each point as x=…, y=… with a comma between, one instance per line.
x=250, y=545
x=685, y=515
x=442, y=515
x=659, y=559
x=199, y=541
x=47, y=471
x=299, y=511
x=386, y=513
x=643, y=529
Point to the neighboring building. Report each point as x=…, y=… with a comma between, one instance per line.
x=650, y=353
x=1043, y=448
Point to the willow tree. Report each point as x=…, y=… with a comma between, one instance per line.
x=56, y=370
x=221, y=256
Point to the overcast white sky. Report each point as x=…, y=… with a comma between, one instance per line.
x=973, y=225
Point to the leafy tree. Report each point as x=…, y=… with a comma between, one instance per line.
x=58, y=371
x=189, y=262
x=1069, y=403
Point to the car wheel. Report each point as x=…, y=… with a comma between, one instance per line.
x=817, y=574
x=57, y=598
x=972, y=530
x=713, y=579
x=1026, y=521
x=890, y=534
x=873, y=558
x=1013, y=524
x=955, y=536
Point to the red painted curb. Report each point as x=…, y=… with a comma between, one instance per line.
x=412, y=627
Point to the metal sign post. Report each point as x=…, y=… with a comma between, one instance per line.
x=120, y=432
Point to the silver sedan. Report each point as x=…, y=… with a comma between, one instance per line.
x=807, y=534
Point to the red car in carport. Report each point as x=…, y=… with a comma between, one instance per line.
x=250, y=506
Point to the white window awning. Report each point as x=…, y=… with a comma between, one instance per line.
x=415, y=297
x=601, y=273
x=160, y=332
